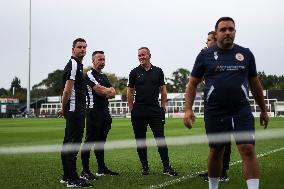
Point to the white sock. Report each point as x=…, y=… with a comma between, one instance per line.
x=213, y=183
x=253, y=183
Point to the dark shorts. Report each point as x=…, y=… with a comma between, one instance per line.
x=98, y=124
x=220, y=128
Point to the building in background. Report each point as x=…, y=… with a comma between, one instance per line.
x=50, y=106
x=9, y=107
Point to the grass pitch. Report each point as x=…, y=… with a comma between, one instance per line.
x=43, y=170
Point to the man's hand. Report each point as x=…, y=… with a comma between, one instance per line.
x=264, y=118
x=60, y=113
x=110, y=92
x=188, y=119
x=130, y=107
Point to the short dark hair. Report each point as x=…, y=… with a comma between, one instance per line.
x=148, y=50
x=98, y=52
x=223, y=19
x=212, y=33
x=78, y=40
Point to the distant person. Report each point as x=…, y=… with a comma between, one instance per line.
x=145, y=82
x=211, y=40
x=228, y=70
x=99, y=90
x=73, y=110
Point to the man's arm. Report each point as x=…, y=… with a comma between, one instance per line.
x=130, y=98
x=66, y=94
x=163, y=90
x=190, y=94
x=256, y=90
x=108, y=92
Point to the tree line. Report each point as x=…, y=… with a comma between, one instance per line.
x=53, y=86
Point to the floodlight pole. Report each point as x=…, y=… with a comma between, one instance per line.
x=29, y=67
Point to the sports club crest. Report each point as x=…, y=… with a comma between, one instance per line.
x=215, y=55
x=239, y=57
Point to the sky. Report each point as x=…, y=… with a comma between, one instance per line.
x=175, y=32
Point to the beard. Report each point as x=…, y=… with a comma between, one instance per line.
x=101, y=67
x=227, y=43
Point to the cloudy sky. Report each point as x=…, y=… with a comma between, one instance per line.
x=175, y=32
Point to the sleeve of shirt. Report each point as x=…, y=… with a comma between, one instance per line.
x=162, y=78
x=90, y=79
x=131, y=80
x=198, y=67
x=252, y=72
x=71, y=70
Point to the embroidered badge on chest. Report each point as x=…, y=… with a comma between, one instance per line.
x=215, y=55
x=239, y=57
x=140, y=76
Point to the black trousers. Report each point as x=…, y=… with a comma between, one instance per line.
x=75, y=123
x=154, y=117
x=97, y=128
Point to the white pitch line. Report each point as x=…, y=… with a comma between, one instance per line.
x=124, y=144
x=193, y=175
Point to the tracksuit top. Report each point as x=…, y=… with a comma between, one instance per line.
x=226, y=74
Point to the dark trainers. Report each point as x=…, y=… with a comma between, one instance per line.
x=78, y=183
x=145, y=170
x=169, y=171
x=88, y=175
x=206, y=179
x=63, y=180
x=203, y=174
x=224, y=178
x=106, y=172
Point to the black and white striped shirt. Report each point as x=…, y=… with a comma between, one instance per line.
x=93, y=99
x=74, y=71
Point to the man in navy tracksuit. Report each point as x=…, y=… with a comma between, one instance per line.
x=228, y=70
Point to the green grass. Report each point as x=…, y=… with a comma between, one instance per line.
x=43, y=170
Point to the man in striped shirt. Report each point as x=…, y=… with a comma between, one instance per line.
x=73, y=110
x=99, y=90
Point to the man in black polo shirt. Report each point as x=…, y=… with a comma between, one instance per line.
x=145, y=82
x=73, y=110
x=229, y=70
x=99, y=90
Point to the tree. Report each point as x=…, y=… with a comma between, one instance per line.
x=271, y=81
x=19, y=92
x=119, y=84
x=3, y=92
x=51, y=86
x=122, y=85
x=112, y=79
x=16, y=84
x=177, y=83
